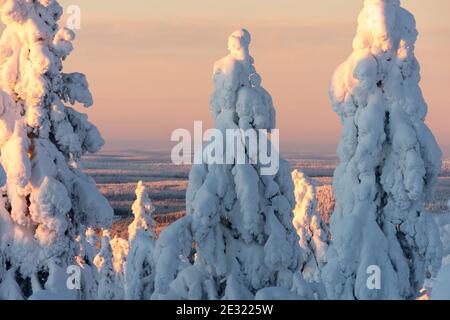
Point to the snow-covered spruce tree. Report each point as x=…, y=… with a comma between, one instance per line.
x=240, y=220
x=313, y=233
x=107, y=288
x=120, y=250
x=390, y=162
x=139, y=264
x=47, y=198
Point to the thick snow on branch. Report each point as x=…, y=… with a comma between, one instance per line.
x=390, y=162
x=240, y=221
x=172, y=255
x=48, y=200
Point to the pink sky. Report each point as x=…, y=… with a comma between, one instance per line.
x=149, y=64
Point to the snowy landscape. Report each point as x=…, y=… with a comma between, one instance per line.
x=116, y=172
x=79, y=221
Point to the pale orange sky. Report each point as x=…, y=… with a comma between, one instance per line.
x=149, y=62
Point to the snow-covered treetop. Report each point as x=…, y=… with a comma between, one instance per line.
x=386, y=32
x=238, y=43
x=383, y=58
x=32, y=83
x=142, y=209
x=380, y=24
x=237, y=88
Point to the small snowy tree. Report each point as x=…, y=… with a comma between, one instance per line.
x=139, y=263
x=313, y=232
x=239, y=219
x=47, y=197
x=107, y=289
x=87, y=242
x=120, y=250
x=390, y=162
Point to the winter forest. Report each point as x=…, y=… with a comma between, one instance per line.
x=81, y=223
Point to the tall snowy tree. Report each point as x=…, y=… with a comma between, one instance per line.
x=239, y=219
x=390, y=163
x=313, y=232
x=47, y=197
x=139, y=263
